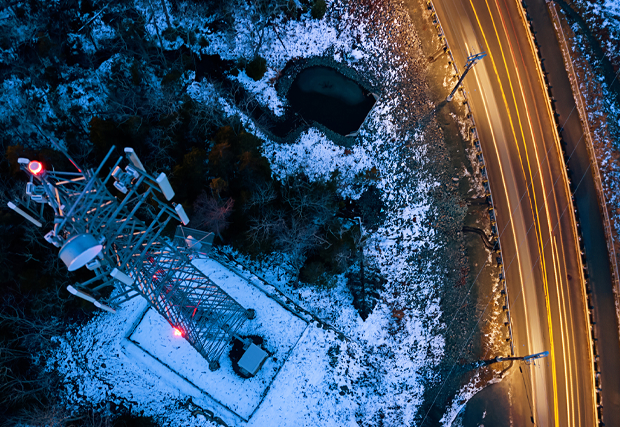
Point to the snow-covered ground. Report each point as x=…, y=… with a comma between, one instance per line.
x=603, y=18
x=279, y=328
x=376, y=377
x=100, y=365
x=336, y=162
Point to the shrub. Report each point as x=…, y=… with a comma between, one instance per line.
x=315, y=274
x=189, y=178
x=371, y=208
x=318, y=9
x=256, y=68
x=236, y=154
x=130, y=420
x=136, y=73
x=170, y=34
x=172, y=77
x=312, y=272
x=130, y=133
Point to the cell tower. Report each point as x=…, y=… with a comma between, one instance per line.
x=121, y=240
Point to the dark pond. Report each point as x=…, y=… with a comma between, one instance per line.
x=324, y=95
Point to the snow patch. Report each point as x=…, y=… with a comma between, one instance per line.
x=320, y=160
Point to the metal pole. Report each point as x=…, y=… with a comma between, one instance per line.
x=24, y=214
x=527, y=359
x=471, y=61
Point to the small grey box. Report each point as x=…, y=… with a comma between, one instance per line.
x=252, y=360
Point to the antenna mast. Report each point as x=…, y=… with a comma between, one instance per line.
x=121, y=240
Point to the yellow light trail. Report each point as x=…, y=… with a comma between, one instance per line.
x=568, y=374
x=538, y=228
x=546, y=205
x=574, y=402
x=486, y=111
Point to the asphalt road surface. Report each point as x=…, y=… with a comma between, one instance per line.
x=534, y=211
x=586, y=201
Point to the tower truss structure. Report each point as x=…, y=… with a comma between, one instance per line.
x=121, y=239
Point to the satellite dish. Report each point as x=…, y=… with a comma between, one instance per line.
x=79, y=250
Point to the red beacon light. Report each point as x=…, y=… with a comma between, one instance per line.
x=35, y=167
x=177, y=332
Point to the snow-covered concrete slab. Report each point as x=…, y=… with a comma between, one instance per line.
x=279, y=328
x=298, y=395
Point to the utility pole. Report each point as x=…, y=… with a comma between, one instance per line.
x=471, y=61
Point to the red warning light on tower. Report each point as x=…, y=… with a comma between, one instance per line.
x=35, y=167
x=177, y=332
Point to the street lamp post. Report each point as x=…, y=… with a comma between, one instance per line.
x=527, y=359
x=471, y=61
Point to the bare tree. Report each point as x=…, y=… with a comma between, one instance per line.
x=264, y=14
x=268, y=223
x=34, y=332
x=33, y=336
x=262, y=195
x=212, y=213
x=126, y=99
x=298, y=226
x=306, y=200
x=46, y=415
x=166, y=14
x=210, y=114
x=296, y=239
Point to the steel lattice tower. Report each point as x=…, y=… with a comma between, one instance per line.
x=121, y=240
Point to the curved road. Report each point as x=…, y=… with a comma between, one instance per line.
x=534, y=211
